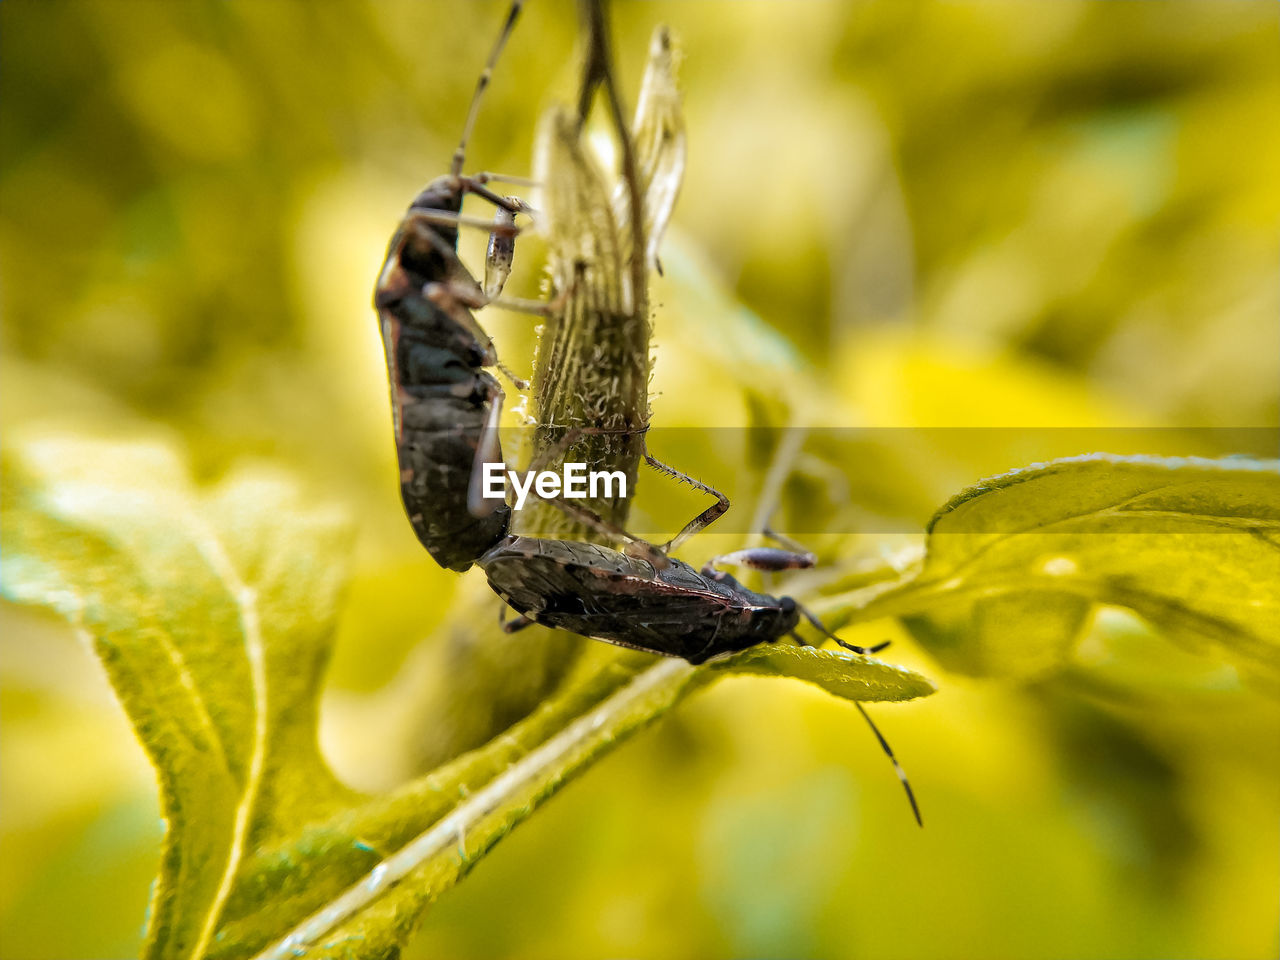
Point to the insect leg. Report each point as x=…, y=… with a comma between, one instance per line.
x=446, y=297
x=488, y=176
x=884, y=744
x=474, y=186
x=513, y=626
x=488, y=450
x=631, y=544
x=421, y=226
x=768, y=559
x=467, y=292
x=536, y=308
x=502, y=230
x=702, y=520
x=455, y=296
x=447, y=218
x=520, y=383
x=793, y=545
x=450, y=296
x=571, y=436
x=502, y=248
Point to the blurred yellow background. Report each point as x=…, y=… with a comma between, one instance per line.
x=895, y=214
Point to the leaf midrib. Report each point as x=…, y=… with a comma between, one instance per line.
x=244, y=597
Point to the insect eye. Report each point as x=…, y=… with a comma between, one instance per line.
x=788, y=605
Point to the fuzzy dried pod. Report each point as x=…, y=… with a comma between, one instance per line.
x=584, y=233
x=660, y=145
x=592, y=366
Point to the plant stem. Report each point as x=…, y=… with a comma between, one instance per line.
x=646, y=697
x=592, y=366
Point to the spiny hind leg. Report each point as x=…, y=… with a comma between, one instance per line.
x=488, y=451
x=631, y=544
x=702, y=520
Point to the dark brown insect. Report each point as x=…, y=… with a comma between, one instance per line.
x=445, y=404
x=672, y=610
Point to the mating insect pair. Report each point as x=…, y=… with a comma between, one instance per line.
x=447, y=407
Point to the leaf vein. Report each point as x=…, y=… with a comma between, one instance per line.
x=246, y=601
x=1252, y=526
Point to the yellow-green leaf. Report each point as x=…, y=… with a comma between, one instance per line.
x=212, y=613
x=840, y=674
x=212, y=610
x=1192, y=545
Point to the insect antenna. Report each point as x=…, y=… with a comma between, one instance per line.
x=818, y=625
x=888, y=750
x=884, y=744
x=459, y=155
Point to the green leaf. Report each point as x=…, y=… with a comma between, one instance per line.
x=212, y=614
x=840, y=674
x=436, y=828
x=1019, y=635
x=212, y=611
x=1015, y=563
x=491, y=790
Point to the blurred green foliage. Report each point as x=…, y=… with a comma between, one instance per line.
x=961, y=214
